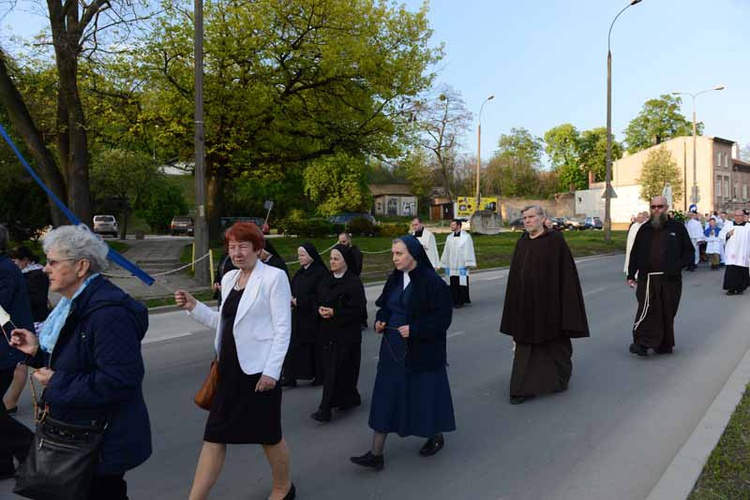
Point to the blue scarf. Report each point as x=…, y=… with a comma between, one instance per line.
x=56, y=319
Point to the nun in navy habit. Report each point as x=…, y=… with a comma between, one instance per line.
x=412, y=396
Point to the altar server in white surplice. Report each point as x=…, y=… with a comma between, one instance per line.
x=737, y=249
x=427, y=239
x=458, y=257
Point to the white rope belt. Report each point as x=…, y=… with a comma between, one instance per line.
x=647, y=301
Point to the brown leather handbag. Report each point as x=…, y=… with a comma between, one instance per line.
x=205, y=395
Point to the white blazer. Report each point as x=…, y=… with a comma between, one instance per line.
x=263, y=324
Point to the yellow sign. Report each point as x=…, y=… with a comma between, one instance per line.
x=467, y=205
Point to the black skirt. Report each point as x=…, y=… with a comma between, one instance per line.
x=239, y=415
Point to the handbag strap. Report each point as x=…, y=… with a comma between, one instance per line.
x=39, y=414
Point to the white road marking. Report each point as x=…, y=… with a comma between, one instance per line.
x=166, y=337
x=456, y=334
x=596, y=290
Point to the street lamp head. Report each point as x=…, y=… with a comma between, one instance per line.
x=492, y=96
x=633, y=2
x=719, y=87
x=676, y=92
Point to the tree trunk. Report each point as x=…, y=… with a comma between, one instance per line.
x=216, y=201
x=24, y=126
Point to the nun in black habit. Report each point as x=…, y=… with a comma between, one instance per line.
x=411, y=396
x=271, y=257
x=543, y=310
x=301, y=362
x=341, y=298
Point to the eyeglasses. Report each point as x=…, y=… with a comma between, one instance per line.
x=658, y=207
x=55, y=262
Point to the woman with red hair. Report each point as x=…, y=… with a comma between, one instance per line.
x=253, y=326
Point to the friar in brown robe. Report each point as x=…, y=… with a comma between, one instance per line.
x=543, y=310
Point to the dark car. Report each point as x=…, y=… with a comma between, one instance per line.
x=346, y=217
x=517, y=224
x=181, y=224
x=558, y=223
x=594, y=222
x=227, y=222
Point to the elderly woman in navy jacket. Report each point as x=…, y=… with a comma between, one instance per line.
x=90, y=351
x=411, y=396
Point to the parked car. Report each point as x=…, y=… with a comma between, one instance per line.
x=105, y=224
x=594, y=222
x=517, y=224
x=346, y=217
x=579, y=224
x=258, y=221
x=181, y=224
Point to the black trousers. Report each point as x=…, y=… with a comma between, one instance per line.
x=459, y=293
x=110, y=487
x=15, y=438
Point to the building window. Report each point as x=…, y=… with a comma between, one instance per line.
x=726, y=160
x=718, y=187
x=718, y=159
x=744, y=191
x=735, y=189
x=726, y=187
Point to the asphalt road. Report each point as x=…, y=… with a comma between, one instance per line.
x=610, y=436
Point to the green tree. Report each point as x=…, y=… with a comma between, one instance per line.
x=658, y=170
x=563, y=146
x=593, y=151
x=122, y=179
x=338, y=184
x=287, y=83
x=514, y=169
x=76, y=29
x=163, y=201
x=659, y=120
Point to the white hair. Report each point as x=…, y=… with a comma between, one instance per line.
x=538, y=208
x=78, y=242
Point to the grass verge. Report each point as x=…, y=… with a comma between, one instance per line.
x=726, y=474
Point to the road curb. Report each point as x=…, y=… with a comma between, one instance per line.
x=680, y=476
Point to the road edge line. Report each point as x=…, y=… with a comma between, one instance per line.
x=678, y=480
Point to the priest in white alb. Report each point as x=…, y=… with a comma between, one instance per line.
x=737, y=252
x=427, y=239
x=695, y=231
x=458, y=257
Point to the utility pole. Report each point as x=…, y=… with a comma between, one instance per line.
x=201, y=225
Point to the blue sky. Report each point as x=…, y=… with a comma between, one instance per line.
x=545, y=60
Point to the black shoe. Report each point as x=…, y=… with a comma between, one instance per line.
x=288, y=382
x=316, y=382
x=458, y=306
x=321, y=415
x=432, y=446
x=291, y=494
x=638, y=349
x=664, y=350
x=517, y=400
x=349, y=406
x=12, y=411
x=369, y=460
x=731, y=292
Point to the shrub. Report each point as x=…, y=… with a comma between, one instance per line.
x=308, y=228
x=361, y=226
x=393, y=229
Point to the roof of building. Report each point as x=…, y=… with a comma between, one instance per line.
x=390, y=189
x=723, y=141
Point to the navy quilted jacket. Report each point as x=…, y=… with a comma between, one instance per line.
x=99, y=373
x=14, y=298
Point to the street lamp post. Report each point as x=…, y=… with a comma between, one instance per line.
x=201, y=227
x=694, y=194
x=479, y=143
x=608, y=170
